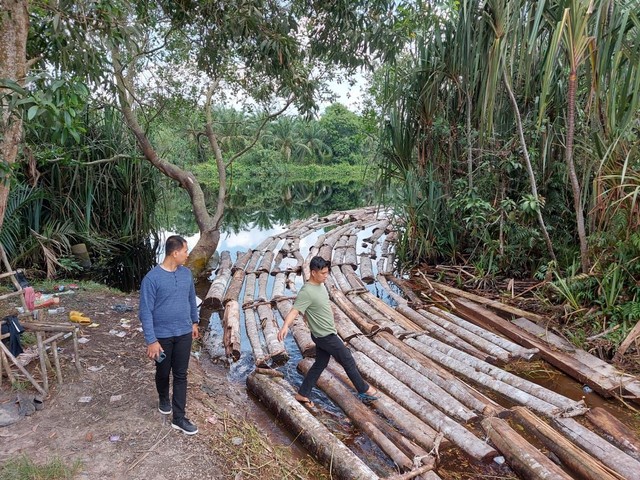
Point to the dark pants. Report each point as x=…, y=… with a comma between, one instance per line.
x=327, y=347
x=178, y=352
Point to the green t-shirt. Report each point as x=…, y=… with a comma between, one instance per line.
x=313, y=303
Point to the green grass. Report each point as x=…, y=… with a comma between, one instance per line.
x=24, y=468
x=88, y=285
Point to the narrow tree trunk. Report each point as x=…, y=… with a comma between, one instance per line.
x=571, y=168
x=231, y=326
x=532, y=177
x=14, y=29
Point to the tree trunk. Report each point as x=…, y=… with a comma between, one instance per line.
x=619, y=433
x=14, y=29
x=571, y=168
x=532, y=177
x=231, y=325
x=330, y=451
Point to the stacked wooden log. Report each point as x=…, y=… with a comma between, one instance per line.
x=439, y=371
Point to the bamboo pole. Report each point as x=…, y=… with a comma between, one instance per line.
x=332, y=453
x=523, y=457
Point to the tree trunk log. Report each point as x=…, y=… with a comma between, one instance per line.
x=249, y=290
x=242, y=261
x=382, y=280
x=413, y=402
x=329, y=451
x=616, y=431
x=340, y=279
x=216, y=290
x=263, y=280
x=352, y=312
x=413, y=379
x=433, y=372
x=469, y=337
x=366, y=269
x=614, y=458
x=235, y=287
x=354, y=281
x=277, y=352
x=397, y=447
x=575, y=459
x=523, y=457
x=299, y=330
x=389, y=312
x=505, y=343
x=410, y=424
x=278, y=287
x=406, y=290
x=443, y=335
x=346, y=329
x=471, y=370
x=253, y=335
x=231, y=325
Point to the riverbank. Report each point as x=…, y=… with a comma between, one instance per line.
x=105, y=423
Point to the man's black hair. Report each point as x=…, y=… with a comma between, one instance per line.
x=318, y=263
x=174, y=243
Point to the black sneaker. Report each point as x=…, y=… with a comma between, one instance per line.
x=185, y=425
x=164, y=407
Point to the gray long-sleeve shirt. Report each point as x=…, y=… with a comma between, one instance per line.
x=167, y=303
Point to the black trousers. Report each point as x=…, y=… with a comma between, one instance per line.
x=178, y=352
x=327, y=347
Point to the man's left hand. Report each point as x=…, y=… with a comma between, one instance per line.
x=195, y=333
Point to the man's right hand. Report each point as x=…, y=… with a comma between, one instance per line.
x=282, y=333
x=153, y=350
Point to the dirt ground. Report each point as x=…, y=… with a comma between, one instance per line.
x=119, y=433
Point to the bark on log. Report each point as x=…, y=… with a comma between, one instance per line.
x=253, y=261
x=231, y=325
x=412, y=426
x=523, y=457
x=235, y=287
x=388, y=312
x=291, y=283
x=354, y=281
x=249, y=290
x=277, y=352
x=263, y=280
x=575, y=459
x=413, y=379
x=487, y=302
x=432, y=371
x=413, y=402
x=265, y=263
x=216, y=290
x=407, y=291
x=424, y=472
x=350, y=257
x=616, y=431
x=251, y=326
x=346, y=329
x=513, y=348
x=382, y=280
x=560, y=360
x=603, y=373
x=339, y=279
x=242, y=260
x=397, y=447
x=378, y=231
x=225, y=261
x=329, y=451
x=352, y=312
x=471, y=371
x=443, y=335
x=614, y=458
x=300, y=332
x=366, y=269
x=469, y=337
x=278, y=287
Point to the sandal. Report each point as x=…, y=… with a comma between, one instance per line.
x=305, y=402
x=367, y=397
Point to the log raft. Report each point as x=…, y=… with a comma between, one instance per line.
x=437, y=371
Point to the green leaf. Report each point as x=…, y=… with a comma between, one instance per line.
x=32, y=112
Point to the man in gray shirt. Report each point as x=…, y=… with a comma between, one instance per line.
x=169, y=317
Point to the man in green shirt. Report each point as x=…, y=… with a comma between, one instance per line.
x=313, y=303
